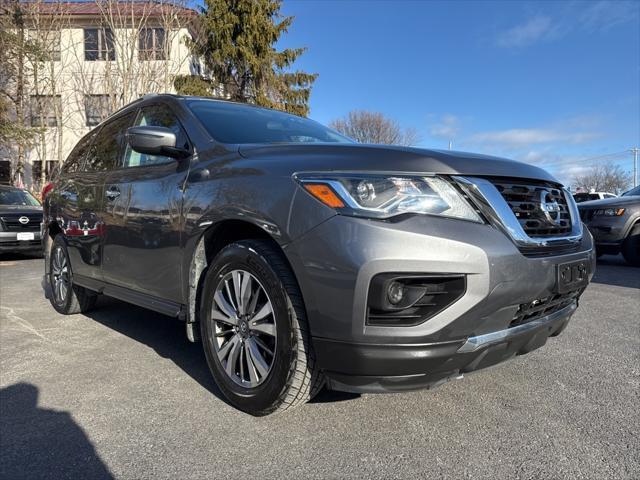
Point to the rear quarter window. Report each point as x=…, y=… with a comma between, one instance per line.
x=76, y=157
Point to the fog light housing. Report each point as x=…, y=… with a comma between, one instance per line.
x=408, y=299
x=395, y=293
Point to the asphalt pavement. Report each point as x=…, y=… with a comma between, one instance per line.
x=121, y=393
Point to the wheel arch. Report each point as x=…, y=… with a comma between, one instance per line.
x=50, y=231
x=209, y=244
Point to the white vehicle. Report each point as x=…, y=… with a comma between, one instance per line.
x=585, y=197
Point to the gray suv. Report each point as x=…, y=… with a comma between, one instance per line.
x=301, y=259
x=615, y=225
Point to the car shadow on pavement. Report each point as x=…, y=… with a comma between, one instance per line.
x=17, y=257
x=42, y=443
x=330, y=396
x=613, y=270
x=165, y=335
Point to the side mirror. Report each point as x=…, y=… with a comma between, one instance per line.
x=155, y=141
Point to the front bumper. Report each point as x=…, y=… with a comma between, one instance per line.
x=610, y=232
x=348, y=366
x=335, y=262
x=9, y=243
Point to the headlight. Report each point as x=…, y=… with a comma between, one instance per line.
x=609, y=212
x=381, y=196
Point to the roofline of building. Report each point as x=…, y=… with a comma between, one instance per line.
x=90, y=9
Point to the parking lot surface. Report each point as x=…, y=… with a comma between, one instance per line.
x=121, y=393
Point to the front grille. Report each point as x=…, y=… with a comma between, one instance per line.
x=524, y=199
x=20, y=243
x=12, y=223
x=439, y=293
x=586, y=214
x=527, y=312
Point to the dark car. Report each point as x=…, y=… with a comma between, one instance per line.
x=303, y=259
x=615, y=225
x=20, y=221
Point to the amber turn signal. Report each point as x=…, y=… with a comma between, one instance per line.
x=325, y=194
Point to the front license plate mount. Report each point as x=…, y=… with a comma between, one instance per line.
x=572, y=276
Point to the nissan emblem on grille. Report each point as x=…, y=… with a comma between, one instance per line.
x=23, y=220
x=550, y=208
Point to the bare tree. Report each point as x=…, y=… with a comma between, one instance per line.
x=16, y=52
x=606, y=177
x=374, y=127
x=46, y=71
x=140, y=39
x=47, y=86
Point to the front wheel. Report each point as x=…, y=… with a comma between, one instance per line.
x=66, y=297
x=254, y=330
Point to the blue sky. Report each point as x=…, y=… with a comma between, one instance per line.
x=551, y=83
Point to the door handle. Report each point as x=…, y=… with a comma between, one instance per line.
x=112, y=193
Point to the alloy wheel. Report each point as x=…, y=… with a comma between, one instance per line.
x=59, y=275
x=244, y=333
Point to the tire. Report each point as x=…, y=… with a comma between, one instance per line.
x=281, y=338
x=631, y=246
x=72, y=298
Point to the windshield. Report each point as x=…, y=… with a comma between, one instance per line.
x=236, y=123
x=632, y=192
x=18, y=197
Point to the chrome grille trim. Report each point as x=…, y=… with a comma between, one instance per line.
x=494, y=206
x=524, y=198
x=12, y=222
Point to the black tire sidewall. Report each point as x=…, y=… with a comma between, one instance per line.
x=631, y=247
x=63, y=308
x=265, y=396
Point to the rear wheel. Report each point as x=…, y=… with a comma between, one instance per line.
x=631, y=247
x=66, y=297
x=254, y=330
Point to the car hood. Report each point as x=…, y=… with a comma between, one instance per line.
x=386, y=158
x=610, y=202
x=20, y=209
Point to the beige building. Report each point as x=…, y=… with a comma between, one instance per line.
x=100, y=55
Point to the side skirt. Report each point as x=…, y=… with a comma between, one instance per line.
x=166, y=307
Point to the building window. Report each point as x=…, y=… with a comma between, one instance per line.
x=36, y=170
x=98, y=44
x=5, y=172
x=48, y=41
x=151, y=44
x=96, y=109
x=45, y=110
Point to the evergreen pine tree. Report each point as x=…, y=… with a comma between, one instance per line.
x=235, y=43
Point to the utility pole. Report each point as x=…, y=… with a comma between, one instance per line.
x=635, y=151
